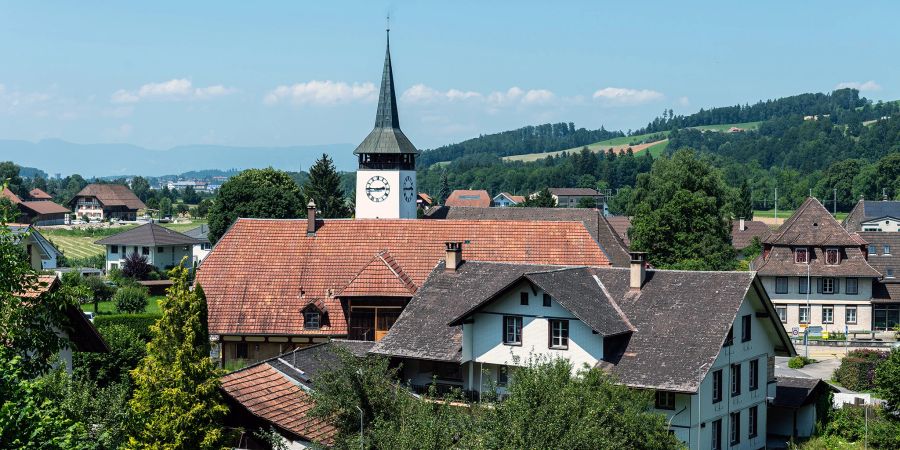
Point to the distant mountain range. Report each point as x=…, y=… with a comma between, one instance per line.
x=104, y=160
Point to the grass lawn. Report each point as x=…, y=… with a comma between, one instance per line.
x=75, y=247
x=110, y=307
x=744, y=125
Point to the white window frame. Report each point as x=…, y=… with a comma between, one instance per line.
x=873, y=250
x=847, y=314
x=512, y=330
x=827, y=314
x=837, y=256
x=559, y=334
x=828, y=285
x=800, y=315
x=782, y=313
x=797, y=253
x=886, y=249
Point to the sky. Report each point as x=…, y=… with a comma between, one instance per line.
x=284, y=73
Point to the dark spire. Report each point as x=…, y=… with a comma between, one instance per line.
x=387, y=117
x=386, y=137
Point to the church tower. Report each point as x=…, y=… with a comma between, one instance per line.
x=386, y=177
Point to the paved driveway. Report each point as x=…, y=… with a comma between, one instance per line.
x=823, y=369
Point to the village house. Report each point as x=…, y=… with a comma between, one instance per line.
x=37, y=209
x=100, y=202
x=593, y=219
x=569, y=197
x=201, y=249
x=743, y=232
x=469, y=198
x=505, y=199
x=874, y=216
x=42, y=254
x=163, y=248
x=79, y=331
x=816, y=272
x=472, y=322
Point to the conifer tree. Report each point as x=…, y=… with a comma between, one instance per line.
x=324, y=186
x=743, y=205
x=444, y=193
x=176, y=401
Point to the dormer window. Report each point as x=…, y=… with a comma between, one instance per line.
x=832, y=256
x=312, y=319
x=873, y=250
x=801, y=255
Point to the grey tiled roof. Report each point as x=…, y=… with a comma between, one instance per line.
x=666, y=350
x=597, y=225
x=865, y=211
x=780, y=262
x=740, y=239
x=879, y=260
x=794, y=392
x=201, y=233
x=386, y=137
x=304, y=364
x=149, y=234
x=573, y=191
x=811, y=225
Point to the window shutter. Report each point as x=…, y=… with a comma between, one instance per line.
x=503, y=328
x=819, y=283
x=837, y=285
x=549, y=333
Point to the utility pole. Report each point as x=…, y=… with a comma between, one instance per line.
x=834, y=209
x=776, y=206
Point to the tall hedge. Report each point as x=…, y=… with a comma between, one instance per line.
x=139, y=323
x=857, y=369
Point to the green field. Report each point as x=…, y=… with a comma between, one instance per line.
x=784, y=214
x=79, y=243
x=744, y=125
x=110, y=307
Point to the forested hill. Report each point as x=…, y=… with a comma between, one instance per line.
x=530, y=139
x=843, y=106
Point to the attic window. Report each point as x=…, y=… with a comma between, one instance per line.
x=832, y=256
x=312, y=319
x=801, y=255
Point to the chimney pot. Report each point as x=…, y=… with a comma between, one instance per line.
x=453, y=256
x=638, y=269
x=311, y=218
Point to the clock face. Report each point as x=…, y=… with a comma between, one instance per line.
x=409, y=189
x=377, y=189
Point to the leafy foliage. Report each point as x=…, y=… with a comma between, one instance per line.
x=324, y=187
x=136, y=266
x=857, y=369
x=680, y=215
x=101, y=290
x=131, y=299
x=140, y=324
x=887, y=380
x=261, y=193
x=176, y=402
x=543, y=199
x=127, y=348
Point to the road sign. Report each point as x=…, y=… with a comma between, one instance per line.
x=795, y=331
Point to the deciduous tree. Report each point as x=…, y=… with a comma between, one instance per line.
x=261, y=193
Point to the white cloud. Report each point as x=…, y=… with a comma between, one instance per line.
x=317, y=92
x=172, y=90
x=626, y=96
x=538, y=97
x=684, y=101
x=867, y=86
x=421, y=93
x=504, y=98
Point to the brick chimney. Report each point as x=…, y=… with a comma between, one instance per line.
x=453, y=257
x=311, y=218
x=638, y=269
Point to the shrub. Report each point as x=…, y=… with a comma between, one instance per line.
x=857, y=369
x=849, y=423
x=139, y=323
x=126, y=348
x=798, y=362
x=101, y=290
x=131, y=299
x=136, y=266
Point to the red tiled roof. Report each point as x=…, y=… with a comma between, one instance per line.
x=517, y=198
x=11, y=196
x=382, y=277
x=38, y=194
x=45, y=207
x=465, y=197
x=112, y=195
x=270, y=395
x=621, y=224
x=45, y=283
x=426, y=198
x=262, y=273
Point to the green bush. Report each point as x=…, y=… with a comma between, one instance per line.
x=857, y=369
x=798, y=362
x=131, y=299
x=849, y=423
x=140, y=323
x=126, y=348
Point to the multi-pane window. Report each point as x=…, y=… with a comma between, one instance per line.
x=735, y=379
x=828, y=314
x=746, y=332
x=523, y=298
x=850, y=314
x=853, y=286
x=754, y=374
x=804, y=314
x=665, y=400
x=717, y=386
x=716, y=435
x=312, y=320
x=559, y=334
x=803, y=282
x=145, y=250
x=782, y=313
x=160, y=249
x=801, y=255
x=546, y=300
x=502, y=375
x=735, y=427
x=752, y=427
x=886, y=250
x=873, y=249
x=512, y=330
x=832, y=256
x=114, y=249
x=828, y=285
x=240, y=350
x=781, y=285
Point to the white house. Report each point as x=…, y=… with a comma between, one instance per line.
x=505, y=199
x=473, y=322
x=163, y=248
x=42, y=254
x=202, y=248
